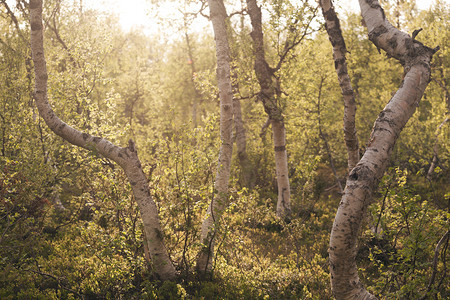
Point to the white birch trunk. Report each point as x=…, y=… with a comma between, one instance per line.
x=282, y=170
x=339, y=50
x=220, y=202
x=364, y=178
x=126, y=157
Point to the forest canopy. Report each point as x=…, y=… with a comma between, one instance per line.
x=225, y=163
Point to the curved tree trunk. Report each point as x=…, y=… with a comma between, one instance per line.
x=364, y=178
x=126, y=157
x=220, y=202
x=340, y=63
x=268, y=96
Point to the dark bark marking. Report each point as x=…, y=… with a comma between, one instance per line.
x=353, y=175
x=35, y=26
x=338, y=62
x=279, y=148
x=96, y=139
x=392, y=42
x=85, y=136
x=376, y=32
x=335, y=32
x=361, y=172
x=347, y=92
x=343, y=71
x=227, y=107
x=123, y=152
x=131, y=145
x=61, y=127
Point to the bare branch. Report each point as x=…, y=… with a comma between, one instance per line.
x=289, y=46
x=444, y=239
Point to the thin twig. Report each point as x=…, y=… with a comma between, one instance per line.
x=56, y=279
x=444, y=239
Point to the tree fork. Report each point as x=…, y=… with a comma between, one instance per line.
x=267, y=96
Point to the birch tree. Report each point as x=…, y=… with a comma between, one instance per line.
x=295, y=30
x=364, y=178
x=126, y=157
x=219, y=202
x=268, y=96
x=340, y=63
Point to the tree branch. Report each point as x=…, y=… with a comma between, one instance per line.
x=290, y=46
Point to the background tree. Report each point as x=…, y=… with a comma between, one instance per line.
x=219, y=202
x=270, y=93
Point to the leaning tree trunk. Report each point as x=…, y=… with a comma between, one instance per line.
x=268, y=97
x=126, y=157
x=364, y=178
x=220, y=202
x=339, y=50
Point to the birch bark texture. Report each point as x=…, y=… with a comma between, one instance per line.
x=126, y=157
x=268, y=96
x=364, y=178
x=220, y=201
x=333, y=28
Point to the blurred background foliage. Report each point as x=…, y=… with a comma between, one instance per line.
x=70, y=228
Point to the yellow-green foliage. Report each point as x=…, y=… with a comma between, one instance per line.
x=127, y=85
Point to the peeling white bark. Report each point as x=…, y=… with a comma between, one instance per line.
x=126, y=157
x=220, y=202
x=282, y=170
x=364, y=178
